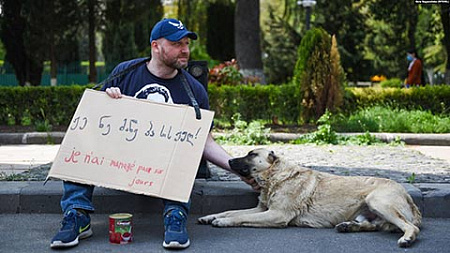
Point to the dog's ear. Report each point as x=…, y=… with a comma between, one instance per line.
x=272, y=156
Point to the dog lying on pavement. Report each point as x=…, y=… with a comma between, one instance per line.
x=297, y=196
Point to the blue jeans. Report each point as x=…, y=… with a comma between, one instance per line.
x=80, y=196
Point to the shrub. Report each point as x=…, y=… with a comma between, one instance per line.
x=226, y=73
x=318, y=74
x=392, y=83
x=37, y=105
x=243, y=133
x=262, y=102
x=280, y=46
x=22, y=105
x=435, y=99
x=325, y=134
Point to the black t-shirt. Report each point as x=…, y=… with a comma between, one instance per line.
x=140, y=83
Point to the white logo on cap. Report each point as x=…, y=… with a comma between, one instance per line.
x=179, y=26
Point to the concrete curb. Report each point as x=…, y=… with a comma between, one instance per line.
x=407, y=138
x=413, y=139
x=31, y=138
x=410, y=139
x=208, y=197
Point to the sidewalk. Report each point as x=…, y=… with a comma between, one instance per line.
x=25, y=233
x=15, y=159
x=222, y=191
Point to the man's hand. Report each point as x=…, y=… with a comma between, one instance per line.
x=114, y=92
x=252, y=183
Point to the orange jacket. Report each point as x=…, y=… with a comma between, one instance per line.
x=415, y=73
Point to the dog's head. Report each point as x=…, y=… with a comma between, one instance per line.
x=255, y=162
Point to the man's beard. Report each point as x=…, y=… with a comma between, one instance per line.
x=173, y=63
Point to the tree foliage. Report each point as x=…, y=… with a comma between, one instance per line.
x=391, y=34
x=31, y=35
x=429, y=35
x=372, y=35
x=341, y=18
x=344, y=20
x=127, y=29
x=193, y=14
x=280, y=45
x=445, y=17
x=12, y=34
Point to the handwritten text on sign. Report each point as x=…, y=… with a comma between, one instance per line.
x=90, y=158
x=131, y=128
x=133, y=145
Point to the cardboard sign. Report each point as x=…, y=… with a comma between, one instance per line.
x=133, y=145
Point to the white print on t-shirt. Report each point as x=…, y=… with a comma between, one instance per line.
x=155, y=92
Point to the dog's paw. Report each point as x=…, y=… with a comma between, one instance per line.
x=405, y=242
x=221, y=222
x=205, y=220
x=343, y=227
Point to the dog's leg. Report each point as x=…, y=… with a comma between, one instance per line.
x=360, y=224
x=354, y=226
x=269, y=218
x=209, y=218
x=398, y=212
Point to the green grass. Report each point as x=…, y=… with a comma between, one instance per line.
x=12, y=177
x=325, y=134
x=391, y=120
x=243, y=133
x=374, y=119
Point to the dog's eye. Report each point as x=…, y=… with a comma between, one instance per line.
x=252, y=154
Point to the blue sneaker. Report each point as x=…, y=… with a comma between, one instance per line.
x=175, y=235
x=75, y=226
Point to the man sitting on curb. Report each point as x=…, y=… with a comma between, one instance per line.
x=160, y=79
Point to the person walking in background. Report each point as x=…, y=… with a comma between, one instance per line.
x=414, y=69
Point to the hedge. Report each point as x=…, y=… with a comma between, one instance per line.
x=55, y=104
x=255, y=102
x=58, y=104
x=435, y=99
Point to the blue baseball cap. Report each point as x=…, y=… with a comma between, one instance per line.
x=171, y=29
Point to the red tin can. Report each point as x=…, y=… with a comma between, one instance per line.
x=121, y=228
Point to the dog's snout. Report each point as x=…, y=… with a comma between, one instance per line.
x=245, y=171
x=232, y=163
x=238, y=166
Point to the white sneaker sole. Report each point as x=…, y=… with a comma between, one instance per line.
x=60, y=244
x=176, y=245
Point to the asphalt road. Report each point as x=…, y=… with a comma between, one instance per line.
x=32, y=233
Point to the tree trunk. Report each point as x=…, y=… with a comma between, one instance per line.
x=53, y=63
x=15, y=55
x=12, y=32
x=445, y=8
x=34, y=72
x=92, y=50
x=247, y=39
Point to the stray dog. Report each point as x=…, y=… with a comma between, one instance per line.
x=297, y=196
